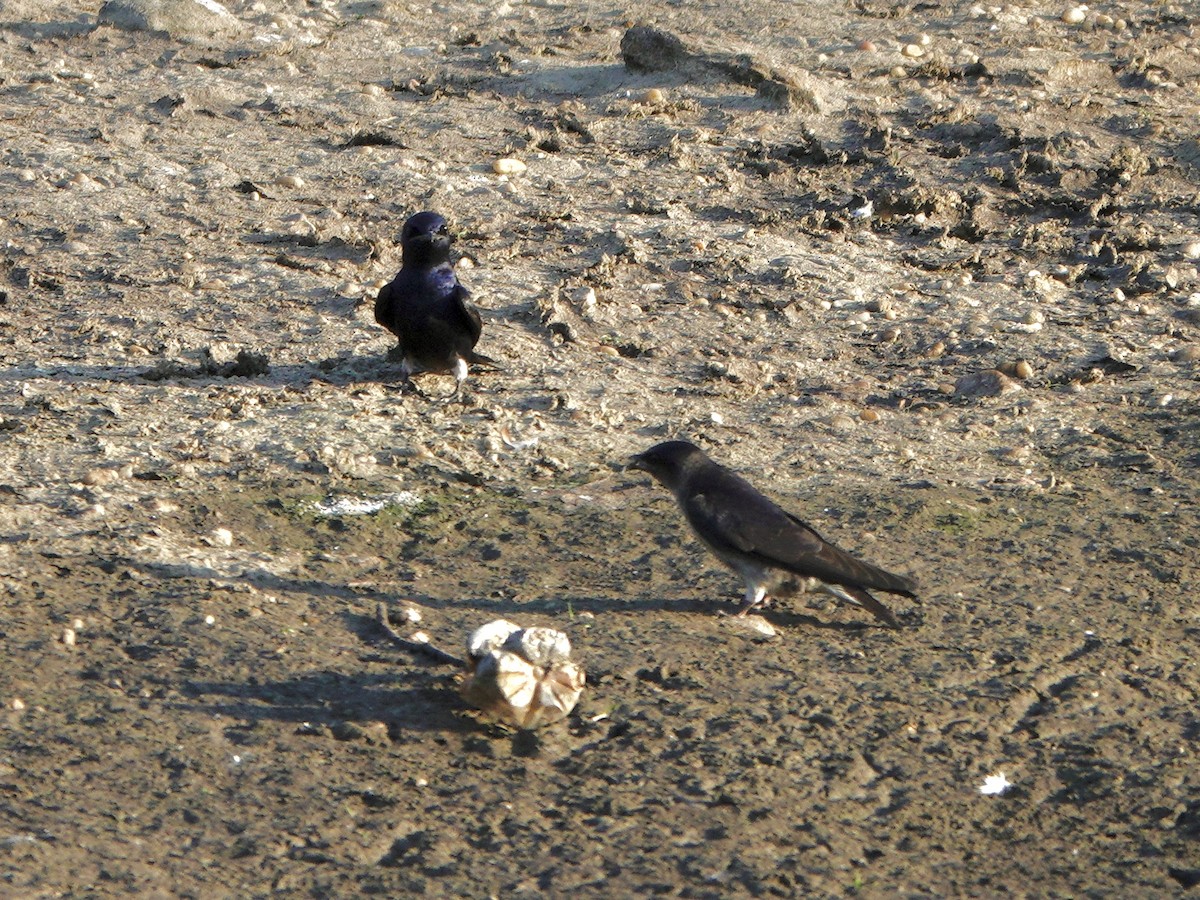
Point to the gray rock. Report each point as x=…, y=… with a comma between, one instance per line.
x=184, y=20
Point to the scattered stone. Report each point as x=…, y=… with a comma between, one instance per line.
x=290, y=181
x=646, y=49
x=1020, y=369
x=508, y=166
x=1075, y=15
x=654, y=96
x=991, y=383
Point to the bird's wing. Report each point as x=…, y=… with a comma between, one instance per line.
x=383, y=306
x=731, y=516
x=469, y=314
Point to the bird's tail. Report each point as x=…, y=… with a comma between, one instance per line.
x=478, y=359
x=866, y=601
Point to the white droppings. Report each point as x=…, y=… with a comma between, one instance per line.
x=364, y=506
x=995, y=785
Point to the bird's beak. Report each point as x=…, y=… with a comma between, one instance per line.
x=636, y=462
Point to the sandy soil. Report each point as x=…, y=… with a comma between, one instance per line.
x=943, y=305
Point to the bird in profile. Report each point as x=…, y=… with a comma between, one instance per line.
x=775, y=553
x=427, y=308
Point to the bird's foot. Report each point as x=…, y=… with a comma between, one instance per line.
x=407, y=386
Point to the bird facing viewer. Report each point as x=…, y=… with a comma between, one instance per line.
x=427, y=308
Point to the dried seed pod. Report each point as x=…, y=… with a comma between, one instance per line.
x=523, y=677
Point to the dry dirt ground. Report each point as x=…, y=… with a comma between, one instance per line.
x=808, y=246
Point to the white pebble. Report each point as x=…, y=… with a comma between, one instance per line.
x=1191, y=250
x=717, y=418
x=68, y=637
x=290, y=181
x=374, y=90
x=1075, y=15
x=508, y=166
x=412, y=614
x=222, y=536
x=913, y=50
x=18, y=703
x=210, y=620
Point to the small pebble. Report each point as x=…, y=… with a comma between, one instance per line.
x=1075, y=15
x=18, y=703
x=1190, y=353
x=992, y=383
x=223, y=537
x=869, y=415
x=934, y=350
x=28, y=175
x=913, y=51
x=290, y=181
x=1023, y=370
x=374, y=90
x=1191, y=250
x=655, y=96
x=508, y=166
x=867, y=46
x=210, y=620
x=68, y=637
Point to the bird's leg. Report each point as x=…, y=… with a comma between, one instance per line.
x=755, y=594
x=460, y=375
x=407, y=385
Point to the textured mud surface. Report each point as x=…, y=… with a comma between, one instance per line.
x=938, y=295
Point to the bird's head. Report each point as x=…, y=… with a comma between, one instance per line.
x=669, y=461
x=425, y=239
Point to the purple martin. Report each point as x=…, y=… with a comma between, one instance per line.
x=773, y=551
x=427, y=308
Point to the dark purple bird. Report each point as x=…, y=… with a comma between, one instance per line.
x=427, y=308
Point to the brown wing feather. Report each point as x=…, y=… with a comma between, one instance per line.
x=731, y=516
